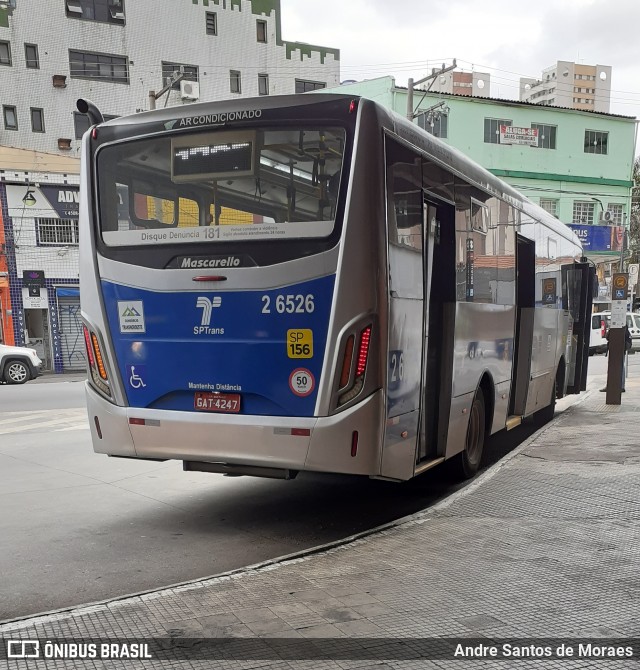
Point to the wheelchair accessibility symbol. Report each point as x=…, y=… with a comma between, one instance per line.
x=136, y=375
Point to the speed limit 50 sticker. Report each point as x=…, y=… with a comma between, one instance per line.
x=302, y=382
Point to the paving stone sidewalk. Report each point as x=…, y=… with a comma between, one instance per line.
x=546, y=544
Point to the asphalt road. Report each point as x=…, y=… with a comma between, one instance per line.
x=79, y=527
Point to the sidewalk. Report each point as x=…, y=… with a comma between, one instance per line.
x=51, y=377
x=545, y=544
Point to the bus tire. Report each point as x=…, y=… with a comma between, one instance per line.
x=469, y=459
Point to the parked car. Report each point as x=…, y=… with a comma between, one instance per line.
x=600, y=323
x=18, y=364
x=598, y=338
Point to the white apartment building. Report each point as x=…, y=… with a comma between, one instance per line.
x=114, y=52
x=573, y=85
x=457, y=82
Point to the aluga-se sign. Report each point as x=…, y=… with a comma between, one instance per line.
x=517, y=135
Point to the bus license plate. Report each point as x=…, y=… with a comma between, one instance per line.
x=217, y=402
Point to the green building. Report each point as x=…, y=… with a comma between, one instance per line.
x=577, y=165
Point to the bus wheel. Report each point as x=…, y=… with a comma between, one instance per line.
x=470, y=458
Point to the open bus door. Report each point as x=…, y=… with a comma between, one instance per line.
x=578, y=283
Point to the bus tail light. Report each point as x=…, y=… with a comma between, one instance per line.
x=354, y=444
x=97, y=369
x=346, y=362
x=351, y=391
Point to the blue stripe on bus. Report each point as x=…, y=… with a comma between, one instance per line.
x=169, y=345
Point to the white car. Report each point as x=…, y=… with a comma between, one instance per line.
x=600, y=322
x=18, y=364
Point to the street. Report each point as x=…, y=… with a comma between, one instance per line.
x=80, y=527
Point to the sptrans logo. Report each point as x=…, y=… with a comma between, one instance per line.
x=207, y=306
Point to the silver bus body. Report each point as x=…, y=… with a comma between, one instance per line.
x=443, y=263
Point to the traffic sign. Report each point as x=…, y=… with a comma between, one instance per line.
x=620, y=280
x=633, y=272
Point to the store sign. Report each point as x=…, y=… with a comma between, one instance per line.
x=33, y=278
x=61, y=202
x=32, y=301
x=517, y=135
x=599, y=238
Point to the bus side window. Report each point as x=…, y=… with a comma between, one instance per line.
x=404, y=220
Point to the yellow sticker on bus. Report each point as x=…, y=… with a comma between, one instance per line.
x=300, y=343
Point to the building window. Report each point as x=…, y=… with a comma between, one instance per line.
x=617, y=214
x=171, y=69
x=105, y=11
x=5, y=53
x=546, y=136
x=595, y=142
x=492, y=129
x=550, y=206
x=263, y=84
x=81, y=123
x=31, y=56
x=10, y=117
x=57, y=232
x=37, y=120
x=303, y=85
x=261, y=29
x=235, y=83
x=211, y=19
x=437, y=125
x=98, y=66
x=583, y=212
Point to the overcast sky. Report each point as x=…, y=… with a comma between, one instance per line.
x=405, y=38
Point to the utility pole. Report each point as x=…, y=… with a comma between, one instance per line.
x=176, y=77
x=411, y=84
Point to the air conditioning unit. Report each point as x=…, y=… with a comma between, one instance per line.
x=606, y=217
x=189, y=90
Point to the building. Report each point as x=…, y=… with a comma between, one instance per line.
x=113, y=52
x=575, y=164
x=39, y=294
x=567, y=84
x=476, y=84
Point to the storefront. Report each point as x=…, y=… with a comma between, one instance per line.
x=41, y=226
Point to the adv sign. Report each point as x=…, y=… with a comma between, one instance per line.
x=56, y=202
x=518, y=135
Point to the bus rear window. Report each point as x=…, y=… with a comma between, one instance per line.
x=223, y=186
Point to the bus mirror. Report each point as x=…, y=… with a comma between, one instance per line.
x=150, y=207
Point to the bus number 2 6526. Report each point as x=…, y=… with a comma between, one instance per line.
x=289, y=304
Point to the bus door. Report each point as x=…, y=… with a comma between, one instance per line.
x=578, y=281
x=406, y=268
x=431, y=369
x=525, y=309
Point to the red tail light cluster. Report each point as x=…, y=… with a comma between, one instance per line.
x=603, y=328
x=350, y=386
x=95, y=361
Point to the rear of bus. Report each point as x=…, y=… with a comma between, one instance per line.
x=229, y=316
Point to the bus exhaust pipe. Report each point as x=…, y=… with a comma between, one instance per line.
x=91, y=110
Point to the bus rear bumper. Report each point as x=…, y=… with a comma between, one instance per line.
x=321, y=444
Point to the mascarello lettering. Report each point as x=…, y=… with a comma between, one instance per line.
x=228, y=262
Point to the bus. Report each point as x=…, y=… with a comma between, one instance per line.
x=313, y=283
